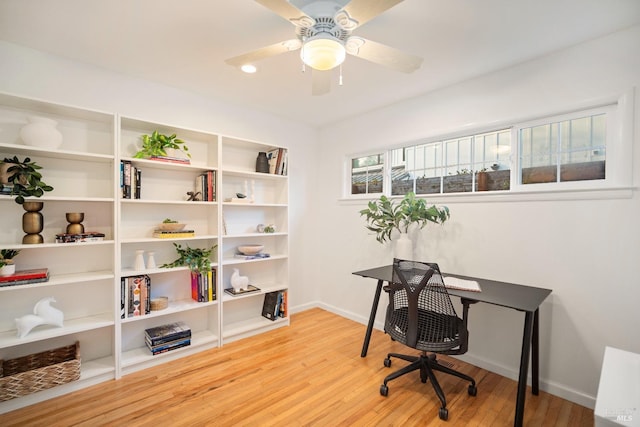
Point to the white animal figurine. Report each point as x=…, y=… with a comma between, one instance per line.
x=43, y=314
x=239, y=282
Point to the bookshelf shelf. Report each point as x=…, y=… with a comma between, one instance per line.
x=72, y=326
x=63, y=279
x=140, y=355
x=251, y=325
x=174, y=307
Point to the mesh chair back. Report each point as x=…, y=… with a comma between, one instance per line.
x=420, y=313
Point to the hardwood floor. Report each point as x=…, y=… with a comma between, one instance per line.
x=308, y=374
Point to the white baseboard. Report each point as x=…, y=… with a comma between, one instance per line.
x=546, y=385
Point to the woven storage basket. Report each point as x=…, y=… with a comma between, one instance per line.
x=40, y=371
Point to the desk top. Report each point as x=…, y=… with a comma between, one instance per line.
x=519, y=297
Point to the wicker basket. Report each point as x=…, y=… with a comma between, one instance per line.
x=40, y=371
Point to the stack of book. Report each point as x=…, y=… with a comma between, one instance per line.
x=170, y=159
x=89, y=236
x=181, y=234
x=275, y=305
x=172, y=336
x=24, y=277
x=6, y=189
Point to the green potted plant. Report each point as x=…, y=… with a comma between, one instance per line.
x=157, y=144
x=385, y=215
x=198, y=260
x=24, y=178
x=7, y=266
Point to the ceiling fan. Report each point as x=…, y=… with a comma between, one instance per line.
x=324, y=37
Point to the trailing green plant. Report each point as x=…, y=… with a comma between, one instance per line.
x=156, y=144
x=385, y=215
x=198, y=260
x=25, y=178
x=6, y=255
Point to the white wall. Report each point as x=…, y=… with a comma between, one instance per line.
x=586, y=250
x=29, y=73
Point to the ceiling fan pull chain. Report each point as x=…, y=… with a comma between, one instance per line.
x=340, y=79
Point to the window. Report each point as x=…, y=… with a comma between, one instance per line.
x=562, y=151
x=587, y=149
x=367, y=174
x=471, y=163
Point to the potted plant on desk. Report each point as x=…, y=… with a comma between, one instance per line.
x=384, y=216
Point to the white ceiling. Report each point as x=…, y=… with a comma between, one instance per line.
x=184, y=44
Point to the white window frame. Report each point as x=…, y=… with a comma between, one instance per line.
x=618, y=165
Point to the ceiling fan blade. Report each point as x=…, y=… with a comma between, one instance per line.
x=320, y=82
x=362, y=11
x=289, y=12
x=265, y=52
x=381, y=54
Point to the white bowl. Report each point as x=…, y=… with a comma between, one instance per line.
x=171, y=226
x=250, y=249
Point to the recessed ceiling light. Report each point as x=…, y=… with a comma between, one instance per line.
x=248, y=68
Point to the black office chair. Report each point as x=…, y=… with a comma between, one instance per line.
x=420, y=315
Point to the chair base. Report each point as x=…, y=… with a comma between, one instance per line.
x=426, y=363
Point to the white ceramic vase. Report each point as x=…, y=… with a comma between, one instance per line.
x=404, y=248
x=139, y=261
x=41, y=132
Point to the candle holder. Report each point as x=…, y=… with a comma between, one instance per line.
x=75, y=222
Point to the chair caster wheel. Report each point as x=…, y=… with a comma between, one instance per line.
x=473, y=390
x=387, y=362
x=443, y=413
x=384, y=390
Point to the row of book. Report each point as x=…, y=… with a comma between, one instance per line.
x=164, y=338
x=130, y=180
x=206, y=185
x=135, y=296
x=203, y=286
x=24, y=277
x=278, y=161
x=275, y=305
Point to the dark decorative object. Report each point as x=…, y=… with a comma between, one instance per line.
x=32, y=222
x=193, y=196
x=262, y=163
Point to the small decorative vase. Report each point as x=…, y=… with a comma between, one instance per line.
x=75, y=222
x=139, y=262
x=404, y=248
x=262, y=163
x=32, y=222
x=41, y=132
x=151, y=260
x=7, y=269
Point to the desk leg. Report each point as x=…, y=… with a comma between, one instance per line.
x=527, y=337
x=535, y=355
x=372, y=318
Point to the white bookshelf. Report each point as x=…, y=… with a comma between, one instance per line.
x=85, y=278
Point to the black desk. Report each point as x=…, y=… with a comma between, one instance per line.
x=517, y=297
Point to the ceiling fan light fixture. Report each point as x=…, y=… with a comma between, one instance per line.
x=249, y=68
x=323, y=53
